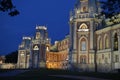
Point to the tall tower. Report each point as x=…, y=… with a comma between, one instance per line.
x=82, y=26
x=24, y=53
x=38, y=47
x=41, y=33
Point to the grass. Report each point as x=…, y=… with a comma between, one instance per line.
x=5, y=70
x=42, y=74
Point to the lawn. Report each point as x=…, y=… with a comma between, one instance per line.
x=43, y=74
x=5, y=70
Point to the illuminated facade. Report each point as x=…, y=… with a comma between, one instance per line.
x=57, y=56
x=56, y=60
x=31, y=53
x=93, y=44
x=24, y=53
x=2, y=59
x=94, y=41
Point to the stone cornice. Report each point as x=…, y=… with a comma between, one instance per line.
x=82, y=19
x=103, y=30
x=117, y=26
x=104, y=51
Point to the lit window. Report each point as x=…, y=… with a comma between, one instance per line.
x=100, y=44
x=47, y=49
x=84, y=9
x=116, y=58
x=22, y=54
x=115, y=42
x=106, y=43
x=83, y=26
x=83, y=44
x=22, y=57
x=37, y=35
x=83, y=59
x=36, y=47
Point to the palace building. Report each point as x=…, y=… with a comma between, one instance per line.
x=94, y=40
x=31, y=53
x=37, y=52
x=2, y=59
x=93, y=43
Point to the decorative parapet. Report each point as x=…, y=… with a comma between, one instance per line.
x=29, y=38
x=41, y=27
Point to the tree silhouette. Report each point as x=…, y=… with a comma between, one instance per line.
x=11, y=57
x=7, y=6
x=110, y=7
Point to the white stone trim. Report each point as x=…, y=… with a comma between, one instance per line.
x=74, y=36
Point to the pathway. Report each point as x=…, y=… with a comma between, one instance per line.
x=78, y=77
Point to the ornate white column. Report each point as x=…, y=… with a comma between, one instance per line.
x=74, y=58
x=91, y=35
x=119, y=45
x=25, y=64
x=74, y=36
x=112, y=45
x=71, y=35
x=18, y=62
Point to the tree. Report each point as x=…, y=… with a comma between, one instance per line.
x=7, y=6
x=12, y=57
x=110, y=7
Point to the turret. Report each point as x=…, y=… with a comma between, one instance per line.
x=41, y=32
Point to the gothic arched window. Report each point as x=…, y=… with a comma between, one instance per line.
x=22, y=57
x=106, y=43
x=100, y=44
x=84, y=9
x=115, y=42
x=37, y=35
x=83, y=45
x=83, y=26
x=35, y=47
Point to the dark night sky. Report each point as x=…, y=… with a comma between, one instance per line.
x=52, y=13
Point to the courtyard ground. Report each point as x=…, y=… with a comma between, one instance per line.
x=49, y=74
